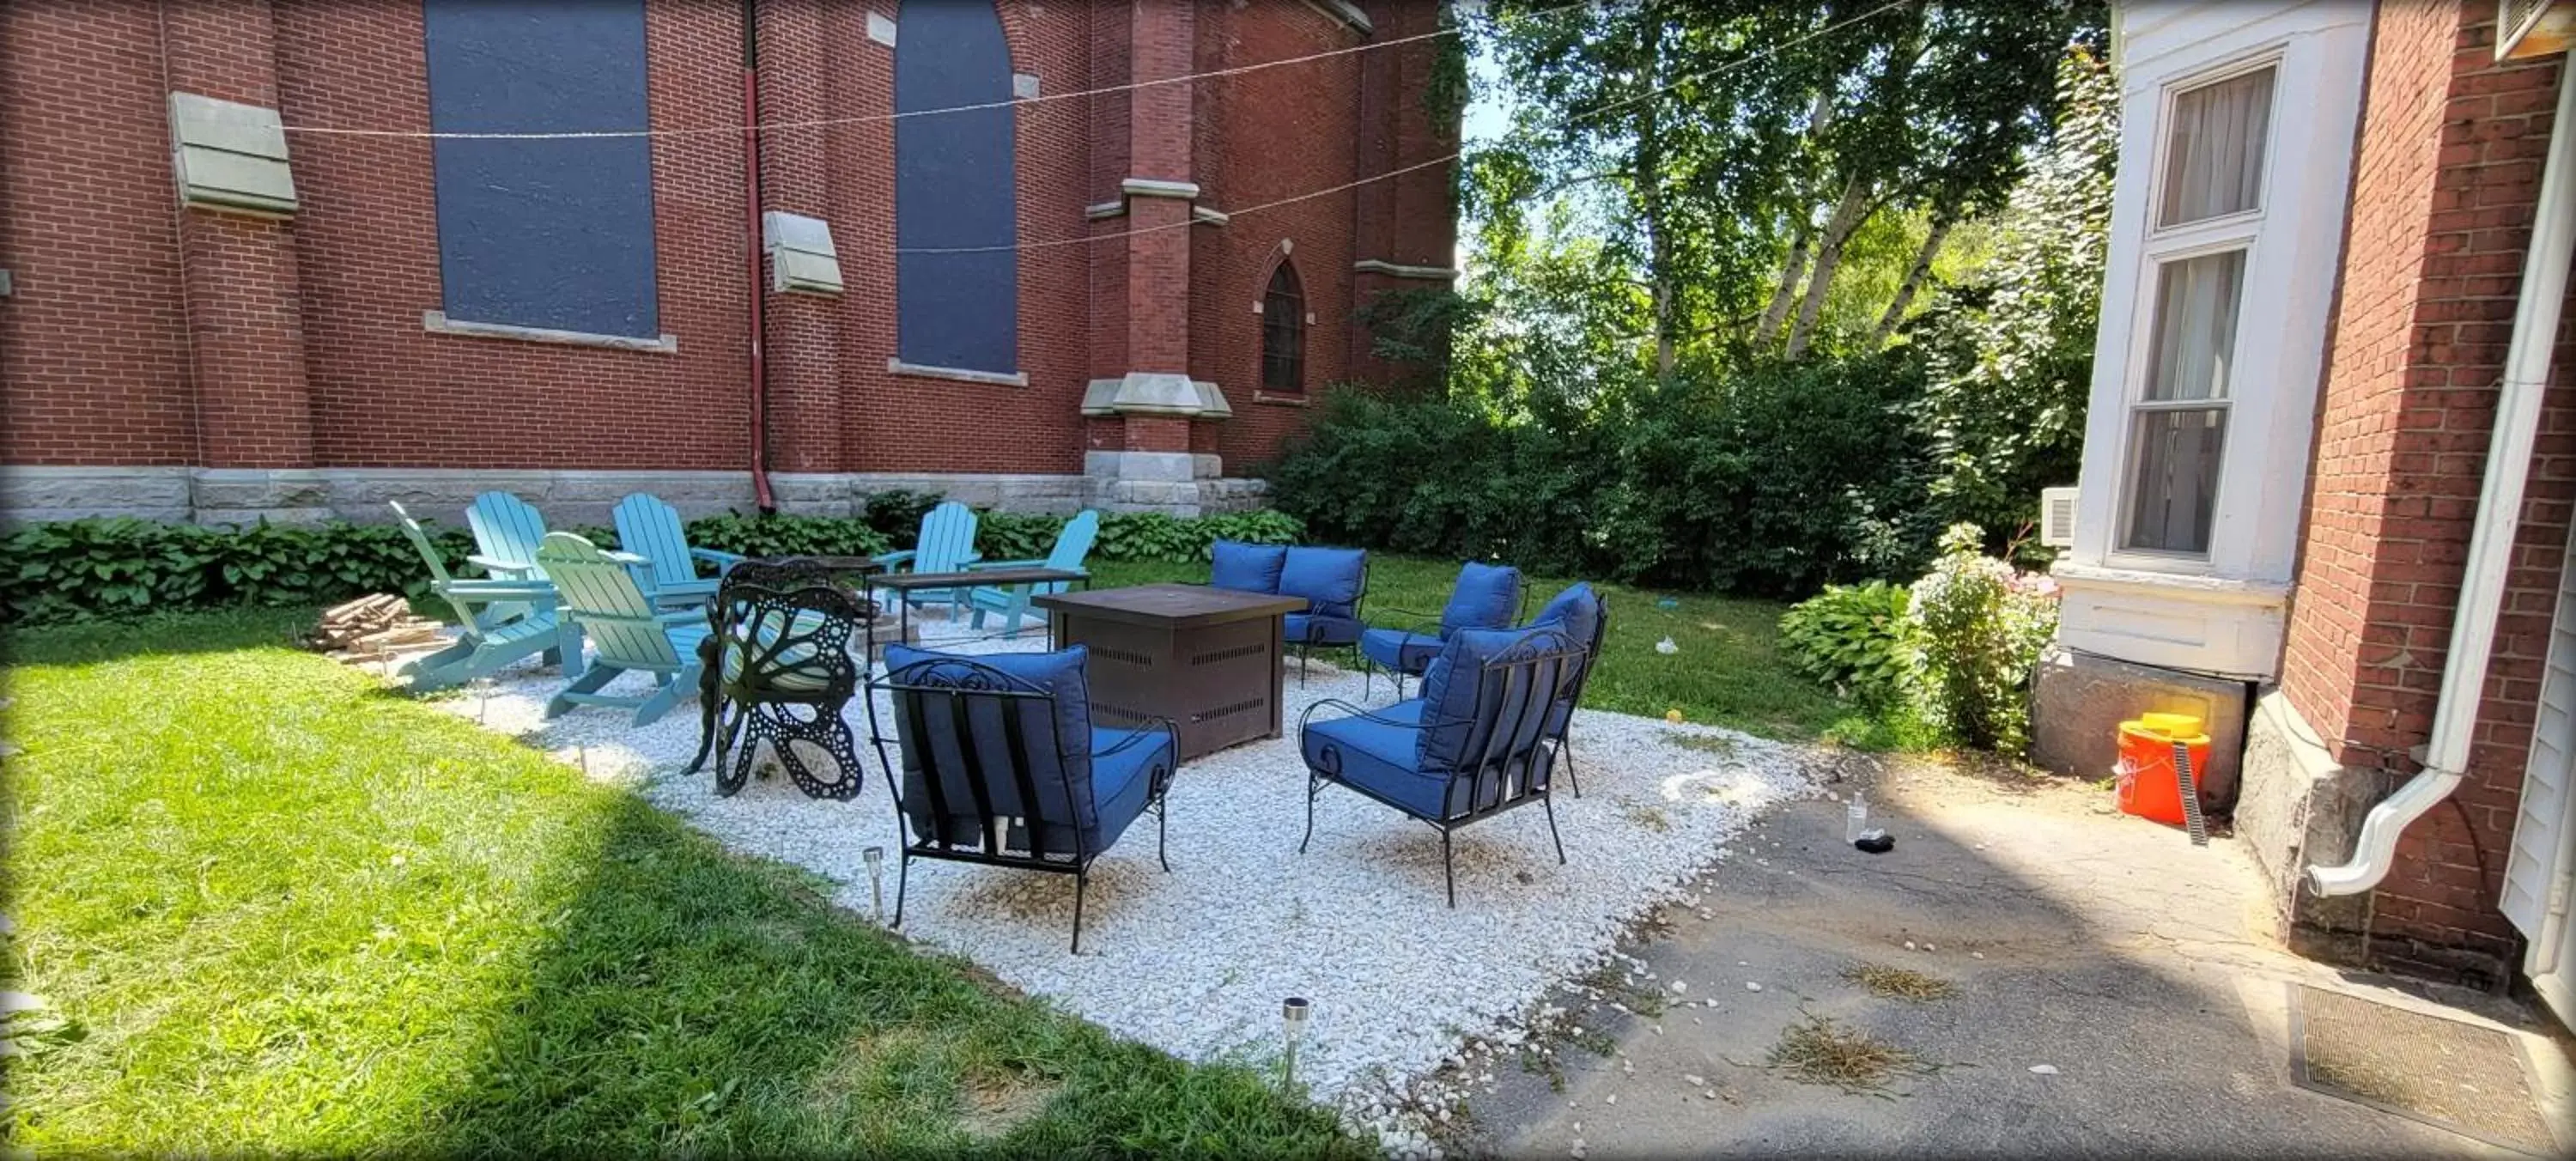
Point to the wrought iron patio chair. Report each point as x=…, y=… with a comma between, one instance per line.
x=778, y=669
x=995, y=760
x=1486, y=596
x=1481, y=740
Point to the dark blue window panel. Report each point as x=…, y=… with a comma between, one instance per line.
x=557, y=232
x=954, y=188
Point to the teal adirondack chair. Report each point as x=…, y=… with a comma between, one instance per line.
x=500, y=620
x=507, y=530
x=651, y=529
x=610, y=595
x=947, y=544
x=1072, y=547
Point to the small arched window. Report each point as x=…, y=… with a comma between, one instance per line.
x=1283, y=332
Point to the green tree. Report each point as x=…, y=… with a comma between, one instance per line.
x=2011, y=352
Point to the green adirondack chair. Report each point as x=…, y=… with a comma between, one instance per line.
x=609, y=595
x=947, y=544
x=1072, y=547
x=650, y=528
x=500, y=621
x=507, y=531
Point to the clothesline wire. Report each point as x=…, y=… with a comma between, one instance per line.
x=873, y=118
x=1703, y=75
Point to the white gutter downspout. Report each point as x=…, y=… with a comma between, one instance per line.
x=2499, y=514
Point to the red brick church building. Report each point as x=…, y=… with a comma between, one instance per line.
x=291, y=258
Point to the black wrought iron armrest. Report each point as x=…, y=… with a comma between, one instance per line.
x=1358, y=712
x=1426, y=624
x=1137, y=733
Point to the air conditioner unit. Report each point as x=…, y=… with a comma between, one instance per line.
x=2534, y=28
x=2057, y=517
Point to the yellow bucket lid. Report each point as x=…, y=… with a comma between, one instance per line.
x=2171, y=723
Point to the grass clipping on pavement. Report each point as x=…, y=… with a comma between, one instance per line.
x=1822, y=1050
x=1896, y=983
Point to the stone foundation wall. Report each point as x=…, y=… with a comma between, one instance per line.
x=307, y=495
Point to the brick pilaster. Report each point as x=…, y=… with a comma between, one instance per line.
x=242, y=290
x=800, y=332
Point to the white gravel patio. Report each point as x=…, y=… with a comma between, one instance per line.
x=1195, y=962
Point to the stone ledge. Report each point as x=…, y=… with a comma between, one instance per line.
x=34, y=493
x=437, y=322
x=958, y=374
x=1155, y=393
x=1397, y=270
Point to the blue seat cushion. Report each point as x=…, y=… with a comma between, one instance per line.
x=1487, y=596
x=1329, y=578
x=1122, y=780
x=1379, y=757
x=1399, y=651
x=1310, y=629
x=1464, y=707
x=1248, y=568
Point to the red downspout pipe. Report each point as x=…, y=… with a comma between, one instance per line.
x=759, y=371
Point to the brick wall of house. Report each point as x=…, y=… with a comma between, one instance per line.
x=2445, y=188
x=315, y=344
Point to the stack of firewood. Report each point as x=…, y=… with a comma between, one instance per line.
x=375, y=628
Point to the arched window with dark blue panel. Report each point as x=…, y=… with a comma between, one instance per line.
x=956, y=206
x=554, y=233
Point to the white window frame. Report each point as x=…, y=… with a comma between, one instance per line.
x=2160, y=246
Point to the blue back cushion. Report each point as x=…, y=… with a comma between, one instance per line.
x=1329, y=579
x=1486, y=596
x=1463, y=707
x=1577, y=610
x=1059, y=750
x=1247, y=568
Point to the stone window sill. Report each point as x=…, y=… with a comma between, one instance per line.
x=436, y=322
x=957, y=374
x=1279, y=399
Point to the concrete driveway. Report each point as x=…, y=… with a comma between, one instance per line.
x=2140, y=972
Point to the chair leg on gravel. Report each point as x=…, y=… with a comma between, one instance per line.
x=1160, y=831
x=902, y=879
x=1570, y=775
x=1548, y=803
x=1313, y=787
x=1449, y=869
x=1081, y=879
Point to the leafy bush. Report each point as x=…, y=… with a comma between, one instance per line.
x=896, y=514
x=788, y=535
x=1013, y=535
x=1852, y=639
x=79, y=569
x=1977, y=630
x=1774, y=480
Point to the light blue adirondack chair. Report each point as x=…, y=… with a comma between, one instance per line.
x=651, y=529
x=1072, y=547
x=610, y=595
x=507, y=530
x=947, y=544
x=501, y=621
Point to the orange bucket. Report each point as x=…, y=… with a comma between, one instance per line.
x=2148, y=785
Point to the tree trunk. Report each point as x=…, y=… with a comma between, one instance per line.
x=1786, y=294
x=1848, y=215
x=1906, y=290
x=1650, y=191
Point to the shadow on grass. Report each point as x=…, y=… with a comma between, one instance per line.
x=91, y=642
x=693, y=1000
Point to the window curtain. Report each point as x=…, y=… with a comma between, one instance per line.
x=2196, y=301
x=2214, y=149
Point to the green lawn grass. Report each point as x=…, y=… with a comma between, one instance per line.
x=1727, y=671
x=280, y=910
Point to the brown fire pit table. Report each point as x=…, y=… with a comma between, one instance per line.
x=1209, y=659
